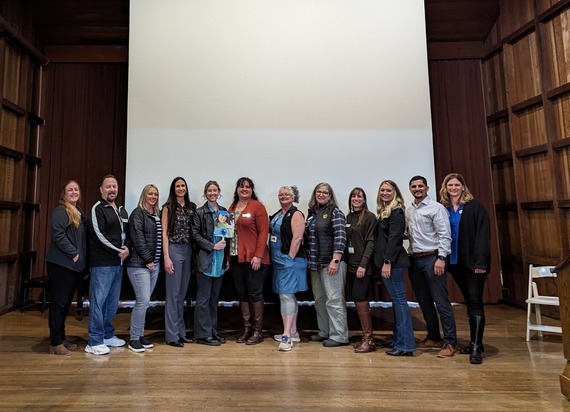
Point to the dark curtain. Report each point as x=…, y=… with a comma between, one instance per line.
x=460, y=145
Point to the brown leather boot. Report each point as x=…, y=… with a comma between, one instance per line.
x=367, y=344
x=257, y=335
x=246, y=320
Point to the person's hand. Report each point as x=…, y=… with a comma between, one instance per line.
x=75, y=258
x=256, y=263
x=150, y=266
x=480, y=271
x=168, y=266
x=360, y=272
x=220, y=245
x=332, y=268
x=386, y=270
x=439, y=267
x=125, y=253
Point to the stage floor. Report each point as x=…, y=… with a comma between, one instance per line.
x=515, y=375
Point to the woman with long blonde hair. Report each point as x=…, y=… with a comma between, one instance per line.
x=65, y=261
x=392, y=259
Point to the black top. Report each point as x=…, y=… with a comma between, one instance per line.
x=389, y=241
x=361, y=238
x=474, y=244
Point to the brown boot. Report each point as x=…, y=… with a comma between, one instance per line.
x=59, y=350
x=367, y=344
x=246, y=319
x=257, y=335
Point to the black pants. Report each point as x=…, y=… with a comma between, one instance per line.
x=360, y=288
x=249, y=283
x=471, y=286
x=62, y=285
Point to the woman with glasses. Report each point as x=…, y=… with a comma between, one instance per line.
x=289, y=262
x=325, y=229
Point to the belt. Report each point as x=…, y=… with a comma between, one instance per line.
x=422, y=254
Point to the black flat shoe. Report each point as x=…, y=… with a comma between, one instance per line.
x=317, y=338
x=331, y=343
x=210, y=341
x=397, y=352
x=185, y=340
x=176, y=344
x=220, y=338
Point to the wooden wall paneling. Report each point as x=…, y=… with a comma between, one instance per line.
x=493, y=80
x=499, y=137
x=532, y=128
x=504, y=183
x=544, y=243
x=515, y=14
x=561, y=117
x=557, y=49
x=536, y=179
x=564, y=175
x=544, y=5
x=525, y=66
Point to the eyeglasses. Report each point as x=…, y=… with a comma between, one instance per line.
x=322, y=192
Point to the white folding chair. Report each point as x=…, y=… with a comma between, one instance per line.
x=536, y=299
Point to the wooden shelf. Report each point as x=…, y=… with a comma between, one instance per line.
x=527, y=104
x=31, y=207
x=32, y=254
x=33, y=160
x=564, y=203
x=36, y=120
x=538, y=205
x=8, y=205
x=532, y=151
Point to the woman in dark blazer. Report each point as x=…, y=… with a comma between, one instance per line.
x=392, y=259
x=469, y=261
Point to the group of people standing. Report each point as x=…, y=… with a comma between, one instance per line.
x=328, y=246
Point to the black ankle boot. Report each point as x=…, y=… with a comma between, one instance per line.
x=477, y=324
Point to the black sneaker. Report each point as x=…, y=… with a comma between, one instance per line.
x=147, y=344
x=136, y=346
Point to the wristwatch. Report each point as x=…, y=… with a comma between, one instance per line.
x=387, y=262
x=336, y=261
x=441, y=257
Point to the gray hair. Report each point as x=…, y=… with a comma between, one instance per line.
x=294, y=191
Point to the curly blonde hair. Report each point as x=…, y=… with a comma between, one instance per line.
x=384, y=211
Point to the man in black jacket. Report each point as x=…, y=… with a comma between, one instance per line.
x=108, y=248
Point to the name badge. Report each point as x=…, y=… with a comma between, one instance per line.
x=273, y=239
x=123, y=236
x=246, y=215
x=351, y=250
x=348, y=225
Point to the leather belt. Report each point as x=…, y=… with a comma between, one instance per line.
x=422, y=254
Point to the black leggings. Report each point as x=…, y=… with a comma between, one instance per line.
x=471, y=286
x=62, y=285
x=249, y=283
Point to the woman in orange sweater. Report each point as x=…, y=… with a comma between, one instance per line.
x=250, y=260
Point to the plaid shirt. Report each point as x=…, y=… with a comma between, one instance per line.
x=338, y=222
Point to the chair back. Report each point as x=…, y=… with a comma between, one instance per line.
x=537, y=272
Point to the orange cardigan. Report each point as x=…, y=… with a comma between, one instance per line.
x=253, y=230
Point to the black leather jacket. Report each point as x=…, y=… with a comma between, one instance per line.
x=143, y=238
x=202, y=234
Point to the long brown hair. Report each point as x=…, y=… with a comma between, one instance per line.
x=73, y=213
x=364, y=207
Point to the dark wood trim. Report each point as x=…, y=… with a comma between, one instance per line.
x=87, y=54
x=522, y=31
x=14, y=154
x=564, y=203
x=538, y=205
x=10, y=258
x=13, y=107
x=498, y=116
x=21, y=41
x=33, y=160
x=506, y=207
x=558, y=91
x=8, y=205
x=506, y=257
x=455, y=50
x=561, y=144
x=553, y=11
x=36, y=120
x=527, y=104
x=496, y=49
x=32, y=254
x=30, y=207
x=532, y=151
x=504, y=157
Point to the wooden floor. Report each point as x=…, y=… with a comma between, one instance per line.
x=514, y=375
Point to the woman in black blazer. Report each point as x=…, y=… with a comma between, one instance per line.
x=469, y=261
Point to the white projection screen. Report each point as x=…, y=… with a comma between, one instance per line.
x=286, y=92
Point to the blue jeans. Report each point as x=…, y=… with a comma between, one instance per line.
x=104, y=292
x=403, y=330
x=330, y=303
x=143, y=281
x=431, y=293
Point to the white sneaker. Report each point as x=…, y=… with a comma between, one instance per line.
x=294, y=337
x=97, y=349
x=286, y=344
x=114, y=342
